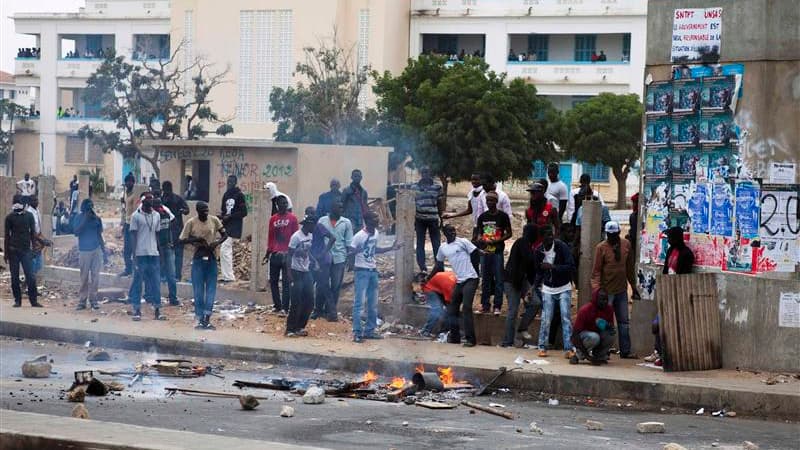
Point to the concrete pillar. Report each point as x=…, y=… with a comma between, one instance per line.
x=8, y=187
x=260, y=231
x=404, y=257
x=46, y=193
x=591, y=222
x=49, y=100
x=83, y=186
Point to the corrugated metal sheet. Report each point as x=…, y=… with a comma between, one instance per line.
x=689, y=324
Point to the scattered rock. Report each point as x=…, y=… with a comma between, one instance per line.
x=715, y=444
x=36, y=368
x=730, y=414
x=405, y=423
x=368, y=422
x=77, y=395
x=594, y=425
x=80, y=411
x=98, y=354
x=248, y=402
x=650, y=427
x=287, y=411
x=747, y=445
x=674, y=446
x=314, y=396
x=288, y=399
x=115, y=386
x=535, y=428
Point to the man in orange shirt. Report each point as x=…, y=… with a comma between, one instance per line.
x=438, y=291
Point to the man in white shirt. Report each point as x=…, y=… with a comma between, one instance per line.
x=365, y=246
x=26, y=188
x=458, y=252
x=503, y=201
x=557, y=189
x=585, y=181
x=302, y=299
x=476, y=201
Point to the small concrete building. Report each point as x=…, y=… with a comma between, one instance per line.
x=302, y=171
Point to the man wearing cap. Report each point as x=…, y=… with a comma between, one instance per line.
x=494, y=228
x=612, y=270
x=540, y=213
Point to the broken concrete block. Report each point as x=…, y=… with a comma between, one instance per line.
x=287, y=411
x=747, y=445
x=650, y=427
x=674, y=446
x=314, y=396
x=98, y=354
x=535, y=428
x=248, y=402
x=36, y=368
x=77, y=395
x=80, y=411
x=594, y=425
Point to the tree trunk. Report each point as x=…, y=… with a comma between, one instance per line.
x=621, y=175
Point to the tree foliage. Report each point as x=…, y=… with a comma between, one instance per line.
x=324, y=107
x=463, y=117
x=9, y=112
x=606, y=129
x=152, y=100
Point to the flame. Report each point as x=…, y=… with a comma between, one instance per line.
x=420, y=368
x=369, y=377
x=446, y=375
x=398, y=383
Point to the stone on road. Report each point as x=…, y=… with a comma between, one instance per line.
x=287, y=411
x=594, y=425
x=674, y=446
x=80, y=411
x=98, y=354
x=36, y=368
x=650, y=427
x=314, y=396
x=248, y=402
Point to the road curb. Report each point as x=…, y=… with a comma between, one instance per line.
x=648, y=395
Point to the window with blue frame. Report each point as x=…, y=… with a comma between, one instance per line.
x=94, y=43
x=585, y=46
x=626, y=47
x=598, y=172
x=539, y=170
x=538, y=44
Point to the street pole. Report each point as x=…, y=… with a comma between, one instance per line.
x=591, y=223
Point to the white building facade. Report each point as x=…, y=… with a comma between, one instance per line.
x=570, y=50
x=69, y=48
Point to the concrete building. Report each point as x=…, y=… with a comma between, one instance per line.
x=261, y=42
x=550, y=43
x=9, y=91
x=69, y=49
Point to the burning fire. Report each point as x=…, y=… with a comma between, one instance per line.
x=369, y=377
x=398, y=383
x=446, y=375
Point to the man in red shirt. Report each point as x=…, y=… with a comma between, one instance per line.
x=593, y=331
x=540, y=212
x=438, y=291
x=281, y=227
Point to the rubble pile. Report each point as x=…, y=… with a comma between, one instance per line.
x=242, y=252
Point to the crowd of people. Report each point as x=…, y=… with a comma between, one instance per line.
x=29, y=52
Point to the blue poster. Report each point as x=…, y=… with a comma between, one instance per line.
x=698, y=206
x=722, y=210
x=748, y=212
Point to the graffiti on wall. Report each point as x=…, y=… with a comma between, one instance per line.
x=251, y=173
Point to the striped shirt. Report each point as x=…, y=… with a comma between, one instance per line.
x=427, y=200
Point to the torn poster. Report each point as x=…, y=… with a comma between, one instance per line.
x=789, y=310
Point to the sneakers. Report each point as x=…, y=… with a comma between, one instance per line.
x=137, y=316
x=569, y=354
x=281, y=313
x=573, y=359
x=36, y=305
x=210, y=327
x=81, y=306
x=652, y=358
x=358, y=339
x=483, y=311
x=302, y=333
x=174, y=303
x=125, y=273
x=658, y=363
x=496, y=311
x=200, y=326
x=157, y=315
x=95, y=306
x=291, y=334
x=17, y=304
x=542, y=353
x=469, y=344
x=527, y=336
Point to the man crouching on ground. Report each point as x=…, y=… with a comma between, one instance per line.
x=593, y=331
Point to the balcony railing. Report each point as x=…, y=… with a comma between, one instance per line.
x=27, y=67
x=73, y=124
x=78, y=67
x=570, y=72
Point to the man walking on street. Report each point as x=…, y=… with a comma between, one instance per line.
x=201, y=233
x=342, y=230
x=92, y=253
x=429, y=202
x=365, y=247
x=554, y=268
x=129, y=203
x=354, y=200
x=234, y=210
x=145, y=225
x=281, y=228
x=458, y=252
x=327, y=199
x=19, y=234
x=179, y=208
x=612, y=270
x=494, y=228
x=300, y=276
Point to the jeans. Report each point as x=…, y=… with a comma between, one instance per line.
x=432, y=228
x=127, y=248
x=178, y=261
x=463, y=294
x=204, y=286
x=514, y=297
x=492, y=276
x=436, y=304
x=532, y=308
x=147, y=271
x=322, y=282
x=336, y=277
x=37, y=262
x=596, y=343
x=366, y=285
x=620, y=303
x=278, y=273
x=564, y=301
x=24, y=258
x=167, y=269
x=89, y=263
x=301, y=302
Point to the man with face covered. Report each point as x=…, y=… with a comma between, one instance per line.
x=234, y=210
x=20, y=231
x=91, y=253
x=612, y=270
x=205, y=233
x=593, y=331
x=144, y=227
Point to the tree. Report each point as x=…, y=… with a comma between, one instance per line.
x=606, y=129
x=9, y=111
x=464, y=117
x=150, y=100
x=324, y=109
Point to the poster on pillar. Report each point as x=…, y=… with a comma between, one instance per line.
x=696, y=35
x=780, y=228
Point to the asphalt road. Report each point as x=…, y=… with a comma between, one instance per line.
x=358, y=424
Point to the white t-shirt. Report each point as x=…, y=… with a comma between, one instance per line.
x=300, y=243
x=478, y=203
x=26, y=187
x=457, y=252
x=558, y=190
x=550, y=258
x=365, y=246
x=503, y=202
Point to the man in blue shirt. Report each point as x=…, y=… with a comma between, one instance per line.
x=91, y=253
x=327, y=199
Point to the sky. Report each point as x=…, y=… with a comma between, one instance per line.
x=9, y=40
